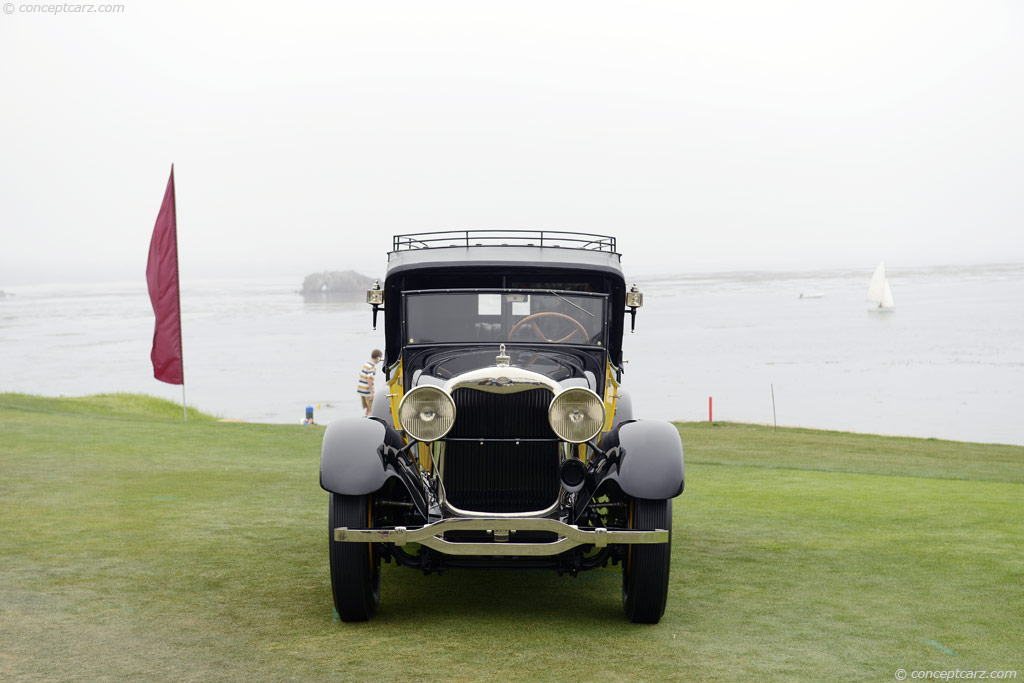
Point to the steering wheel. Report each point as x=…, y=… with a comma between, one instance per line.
x=532, y=319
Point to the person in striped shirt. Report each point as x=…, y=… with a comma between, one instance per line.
x=365, y=386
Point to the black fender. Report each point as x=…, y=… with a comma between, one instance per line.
x=350, y=459
x=651, y=463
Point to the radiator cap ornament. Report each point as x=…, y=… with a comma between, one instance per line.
x=502, y=361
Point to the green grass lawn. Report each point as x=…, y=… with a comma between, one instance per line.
x=133, y=545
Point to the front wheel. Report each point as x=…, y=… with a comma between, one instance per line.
x=355, y=567
x=645, y=571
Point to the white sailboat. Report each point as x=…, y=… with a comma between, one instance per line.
x=879, y=291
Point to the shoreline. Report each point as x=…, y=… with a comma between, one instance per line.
x=208, y=416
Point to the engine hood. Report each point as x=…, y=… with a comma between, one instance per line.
x=529, y=366
x=502, y=380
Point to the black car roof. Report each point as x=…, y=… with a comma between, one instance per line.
x=504, y=248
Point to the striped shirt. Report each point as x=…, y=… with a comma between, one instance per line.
x=365, y=378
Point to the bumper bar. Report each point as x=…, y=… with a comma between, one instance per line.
x=569, y=536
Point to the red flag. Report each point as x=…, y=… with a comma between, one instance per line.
x=162, y=276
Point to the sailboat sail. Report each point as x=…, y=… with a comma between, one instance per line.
x=879, y=291
x=887, y=300
x=876, y=288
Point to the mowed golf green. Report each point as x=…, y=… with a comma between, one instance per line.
x=136, y=546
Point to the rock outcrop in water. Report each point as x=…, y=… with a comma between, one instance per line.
x=335, y=284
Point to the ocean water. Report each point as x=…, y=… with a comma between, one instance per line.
x=948, y=363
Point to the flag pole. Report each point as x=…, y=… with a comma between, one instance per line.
x=177, y=275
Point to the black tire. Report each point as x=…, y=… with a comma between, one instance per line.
x=645, y=571
x=355, y=567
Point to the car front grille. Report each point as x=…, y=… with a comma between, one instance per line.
x=501, y=476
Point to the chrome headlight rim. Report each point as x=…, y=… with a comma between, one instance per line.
x=443, y=399
x=556, y=405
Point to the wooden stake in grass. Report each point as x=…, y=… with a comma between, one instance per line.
x=774, y=419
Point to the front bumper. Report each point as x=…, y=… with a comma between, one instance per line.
x=503, y=529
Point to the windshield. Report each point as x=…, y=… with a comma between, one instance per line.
x=497, y=316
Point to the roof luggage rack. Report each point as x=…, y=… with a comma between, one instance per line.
x=504, y=238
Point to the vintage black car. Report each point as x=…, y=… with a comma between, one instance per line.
x=504, y=438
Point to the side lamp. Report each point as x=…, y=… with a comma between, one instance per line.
x=634, y=300
x=375, y=297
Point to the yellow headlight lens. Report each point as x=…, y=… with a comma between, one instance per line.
x=576, y=415
x=427, y=413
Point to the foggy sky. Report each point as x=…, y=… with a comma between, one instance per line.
x=711, y=135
